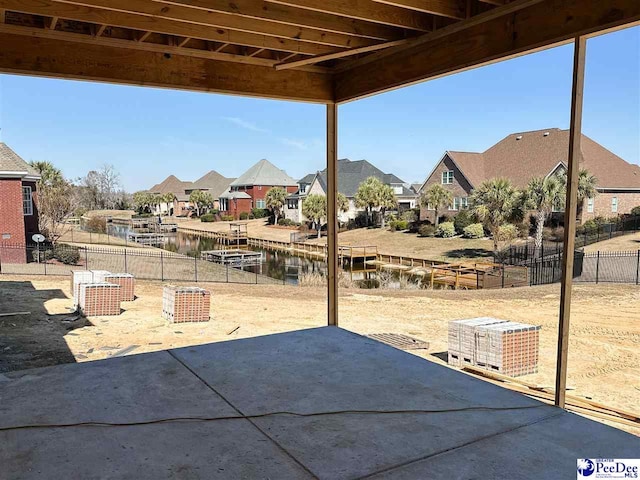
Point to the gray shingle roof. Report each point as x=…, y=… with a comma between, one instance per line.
x=264, y=173
x=212, y=182
x=307, y=178
x=10, y=161
x=352, y=173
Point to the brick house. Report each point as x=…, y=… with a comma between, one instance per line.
x=248, y=191
x=540, y=153
x=18, y=205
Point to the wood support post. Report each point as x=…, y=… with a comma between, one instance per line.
x=573, y=170
x=332, y=211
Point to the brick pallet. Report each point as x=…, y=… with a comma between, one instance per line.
x=185, y=304
x=97, y=299
x=127, y=285
x=78, y=277
x=509, y=348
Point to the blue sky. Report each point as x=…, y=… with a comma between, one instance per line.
x=148, y=134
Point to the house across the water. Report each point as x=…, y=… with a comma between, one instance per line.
x=520, y=157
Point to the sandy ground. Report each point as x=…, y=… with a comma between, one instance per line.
x=623, y=243
x=604, y=349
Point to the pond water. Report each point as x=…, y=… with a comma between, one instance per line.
x=275, y=264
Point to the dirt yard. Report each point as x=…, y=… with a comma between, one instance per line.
x=604, y=350
x=622, y=243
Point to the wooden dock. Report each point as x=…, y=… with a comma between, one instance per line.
x=146, y=238
x=232, y=257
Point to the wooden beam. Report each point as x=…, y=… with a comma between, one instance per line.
x=2, y=12
x=66, y=59
x=258, y=51
x=492, y=36
x=293, y=16
x=213, y=19
x=497, y=3
x=570, y=214
x=100, y=30
x=212, y=54
x=444, y=8
x=143, y=36
x=332, y=213
x=51, y=23
x=332, y=56
x=184, y=41
x=159, y=25
x=366, y=10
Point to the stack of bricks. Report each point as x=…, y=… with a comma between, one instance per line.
x=97, y=299
x=185, y=304
x=78, y=277
x=506, y=347
x=127, y=285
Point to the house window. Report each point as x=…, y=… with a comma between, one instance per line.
x=447, y=177
x=303, y=188
x=397, y=189
x=27, y=201
x=614, y=204
x=292, y=204
x=464, y=202
x=456, y=204
x=590, y=205
x=259, y=187
x=260, y=203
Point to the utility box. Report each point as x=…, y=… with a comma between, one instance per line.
x=185, y=304
x=505, y=347
x=78, y=277
x=98, y=299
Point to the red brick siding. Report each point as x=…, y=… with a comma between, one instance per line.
x=31, y=221
x=256, y=192
x=602, y=204
x=12, y=230
x=459, y=188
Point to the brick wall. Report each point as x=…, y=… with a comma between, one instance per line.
x=12, y=228
x=459, y=188
x=602, y=204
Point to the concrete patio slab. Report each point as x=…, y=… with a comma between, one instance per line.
x=309, y=371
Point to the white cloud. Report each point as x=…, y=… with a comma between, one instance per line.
x=245, y=124
x=292, y=142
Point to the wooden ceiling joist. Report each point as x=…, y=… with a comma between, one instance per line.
x=66, y=59
x=213, y=19
x=293, y=16
x=445, y=8
x=540, y=25
x=366, y=10
x=159, y=25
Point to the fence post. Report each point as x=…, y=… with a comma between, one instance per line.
x=638, y=269
x=597, y=266
x=502, y=275
x=125, y=261
x=227, y=273
x=161, y=266
x=86, y=258
x=195, y=267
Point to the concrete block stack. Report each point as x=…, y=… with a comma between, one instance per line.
x=127, y=285
x=509, y=348
x=97, y=299
x=185, y=304
x=78, y=277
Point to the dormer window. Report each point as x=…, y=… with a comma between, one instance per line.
x=447, y=177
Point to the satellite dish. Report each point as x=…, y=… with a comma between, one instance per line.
x=38, y=238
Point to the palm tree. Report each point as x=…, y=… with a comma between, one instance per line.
x=387, y=200
x=495, y=202
x=314, y=207
x=368, y=195
x=49, y=174
x=542, y=196
x=586, y=187
x=436, y=197
x=274, y=199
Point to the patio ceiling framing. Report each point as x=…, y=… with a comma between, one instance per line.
x=321, y=51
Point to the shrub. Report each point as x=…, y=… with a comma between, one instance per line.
x=208, y=217
x=244, y=216
x=524, y=229
x=558, y=234
x=67, y=254
x=547, y=233
x=462, y=220
x=227, y=218
x=409, y=216
x=475, y=230
x=260, y=212
x=398, y=225
x=635, y=210
x=446, y=230
x=506, y=232
x=42, y=255
x=96, y=225
x=590, y=227
x=286, y=222
x=427, y=230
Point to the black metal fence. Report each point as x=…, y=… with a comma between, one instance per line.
x=586, y=235
x=142, y=263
